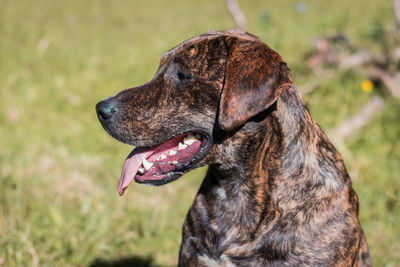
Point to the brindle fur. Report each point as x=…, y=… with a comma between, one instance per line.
x=276, y=192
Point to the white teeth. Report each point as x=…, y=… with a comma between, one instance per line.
x=188, y=142
x=181, y=146
x=141, y=170
x=172, y=152
x=163, y=156
x=190, y=139
x=147, y=165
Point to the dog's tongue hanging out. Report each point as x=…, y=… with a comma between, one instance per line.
x=131, y=167
x=157, y=163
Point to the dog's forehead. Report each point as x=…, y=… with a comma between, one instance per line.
x=199, y=39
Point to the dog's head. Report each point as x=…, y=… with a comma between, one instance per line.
x=210, y=83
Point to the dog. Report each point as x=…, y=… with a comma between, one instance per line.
x=276, y=192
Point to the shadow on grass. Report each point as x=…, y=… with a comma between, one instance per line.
x=136, y=261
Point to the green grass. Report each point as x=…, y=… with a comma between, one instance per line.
x=58, y=168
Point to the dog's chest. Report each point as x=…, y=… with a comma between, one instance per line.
x=223, y=260
x=216, y=231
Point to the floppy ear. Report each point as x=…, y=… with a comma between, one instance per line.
x=255, y=75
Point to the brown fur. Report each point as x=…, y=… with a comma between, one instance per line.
x=276, y=192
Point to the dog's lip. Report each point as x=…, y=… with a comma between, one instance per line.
x=186, y=160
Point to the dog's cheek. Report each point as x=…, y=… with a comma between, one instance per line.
x=205, y=98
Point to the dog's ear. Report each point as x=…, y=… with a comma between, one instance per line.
x=255, y=75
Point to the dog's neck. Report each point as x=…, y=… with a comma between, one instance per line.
x=247, y=191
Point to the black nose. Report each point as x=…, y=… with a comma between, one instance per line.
x=106, y=109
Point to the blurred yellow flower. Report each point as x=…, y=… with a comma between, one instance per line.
x=367, y=85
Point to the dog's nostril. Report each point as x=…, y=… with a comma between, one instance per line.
x=105, y=109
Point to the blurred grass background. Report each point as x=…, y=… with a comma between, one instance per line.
x=59, y=169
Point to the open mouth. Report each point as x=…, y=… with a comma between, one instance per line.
x=164, y=163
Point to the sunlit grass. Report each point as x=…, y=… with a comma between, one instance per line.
x=58, y=168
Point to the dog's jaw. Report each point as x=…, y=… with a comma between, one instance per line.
x=166, y=162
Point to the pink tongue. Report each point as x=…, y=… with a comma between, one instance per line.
x=131, y=166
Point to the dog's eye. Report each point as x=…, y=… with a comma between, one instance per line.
x=182, y=76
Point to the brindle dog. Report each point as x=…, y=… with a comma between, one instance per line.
x=276, y=192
